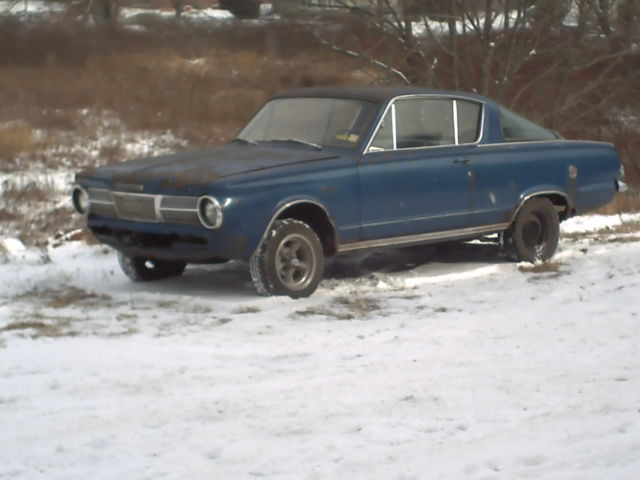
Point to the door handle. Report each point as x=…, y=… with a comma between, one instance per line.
x=466, y=161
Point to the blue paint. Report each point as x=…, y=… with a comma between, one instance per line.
x=367, y=195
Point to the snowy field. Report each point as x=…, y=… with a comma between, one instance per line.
x=430, y=363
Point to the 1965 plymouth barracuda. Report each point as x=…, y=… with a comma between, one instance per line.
x=324, y=171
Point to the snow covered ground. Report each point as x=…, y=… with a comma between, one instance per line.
x=42, y=8
x=430, y=363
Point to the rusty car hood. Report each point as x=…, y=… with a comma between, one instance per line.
x=203, y=167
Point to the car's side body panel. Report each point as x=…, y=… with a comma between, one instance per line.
x=583, y=171
x=413, y=191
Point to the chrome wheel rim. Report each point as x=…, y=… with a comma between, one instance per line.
x=295, y=262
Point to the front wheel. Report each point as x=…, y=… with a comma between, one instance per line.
x=534, y=234
x=289, y=261
x=140, y=269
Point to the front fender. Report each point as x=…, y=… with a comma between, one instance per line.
x=290, y=202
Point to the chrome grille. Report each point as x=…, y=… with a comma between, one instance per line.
x=104, y=209
x=169, y=202
x=179, y=209
x=99, y=195
x=144, y=207
x=130, y=206
x=101, y=202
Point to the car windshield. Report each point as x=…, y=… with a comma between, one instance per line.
x=315, y=122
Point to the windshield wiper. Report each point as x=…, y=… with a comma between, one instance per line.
x=243, y=140
x=297, y=141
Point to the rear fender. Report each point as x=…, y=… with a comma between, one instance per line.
x=553, y=193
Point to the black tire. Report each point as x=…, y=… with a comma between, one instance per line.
x=533, y=236
x=289, y=261
x=140, y=269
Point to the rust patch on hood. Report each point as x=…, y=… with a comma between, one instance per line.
x=205, y=166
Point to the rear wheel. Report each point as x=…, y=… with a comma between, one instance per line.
x=289, y=261
x=141, y=269
x=534, y=234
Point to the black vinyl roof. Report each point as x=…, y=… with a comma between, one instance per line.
x=374, y=94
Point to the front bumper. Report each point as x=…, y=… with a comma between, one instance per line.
x=162, y=241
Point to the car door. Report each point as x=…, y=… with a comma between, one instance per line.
x=415, y=176
x=493, y=189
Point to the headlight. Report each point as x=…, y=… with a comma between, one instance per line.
x=80, y=200
x=209, y=212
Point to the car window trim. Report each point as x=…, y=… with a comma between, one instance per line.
x=394, y=127
x=454, y=106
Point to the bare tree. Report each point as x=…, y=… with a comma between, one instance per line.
x=516, y=51
x=572, y=65
x=103, y=12
x=178, y=5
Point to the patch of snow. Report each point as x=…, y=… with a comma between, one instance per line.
x=499, y=22
x=15, y=251
x=12, y=246
x=30, y=7
x=489, y=370
x=41, y=8
x=593, y=223
x=57, y=180
x=130, y=13
x=573, y=16
x=266, y=9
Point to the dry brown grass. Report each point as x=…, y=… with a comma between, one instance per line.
x=14, y=140
x=201, y=83
x=541, y=267
x=42, y=328
x=62, y=297
x=78, y=235
x=4, y=254
x=7, y=215
x=65, y=87
x=623, y=202
x=543, y=271
x=245, y=310
x=29, y=193
x=36, y=325
x=344, y=308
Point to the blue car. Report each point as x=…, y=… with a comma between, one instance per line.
x=324, y=171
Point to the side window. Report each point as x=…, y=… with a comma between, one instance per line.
x=428, y=122
x=517, y=129
x=469, y=121
x=424, y=122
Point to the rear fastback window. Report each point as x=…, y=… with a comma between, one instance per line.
x=518, y=129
